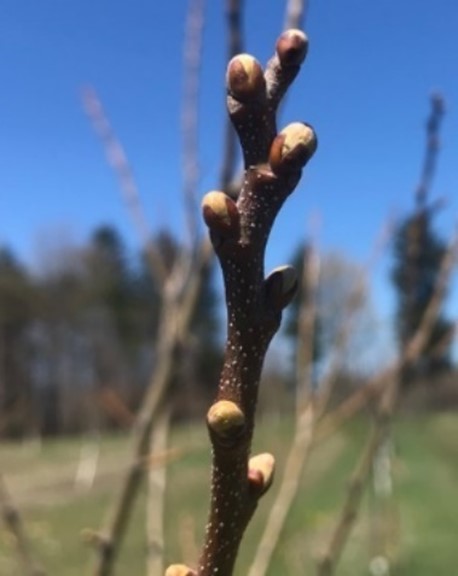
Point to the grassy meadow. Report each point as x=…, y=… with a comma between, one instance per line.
x=423, y=514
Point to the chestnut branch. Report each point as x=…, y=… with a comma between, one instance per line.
x=239, y=231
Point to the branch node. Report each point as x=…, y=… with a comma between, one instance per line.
x=245, y=78
x=292, y=47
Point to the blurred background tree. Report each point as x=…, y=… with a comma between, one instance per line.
x=418, y=252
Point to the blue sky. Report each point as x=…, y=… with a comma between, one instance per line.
x=364, y=87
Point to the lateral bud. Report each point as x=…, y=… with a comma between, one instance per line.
x=281, y=286
x=221, y=214
x=179, y=570
x=292, y=148
x=226, y=420
x=261, y=470
x=244, y=78
x=292, y=47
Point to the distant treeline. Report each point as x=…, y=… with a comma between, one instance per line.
x=77, y=338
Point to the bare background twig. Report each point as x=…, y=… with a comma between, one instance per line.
x=14, y=524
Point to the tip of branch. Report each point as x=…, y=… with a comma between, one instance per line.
x=292, y=47
x=245, y=78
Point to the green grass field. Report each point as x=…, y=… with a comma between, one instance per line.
x=423, y=515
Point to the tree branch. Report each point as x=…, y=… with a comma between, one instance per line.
x=129, y=189
x=234, y=46
x=14, y=524
x=190, y=114
x=239, y=232
x=157, y=480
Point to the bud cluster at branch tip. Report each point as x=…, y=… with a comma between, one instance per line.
x=292, y=47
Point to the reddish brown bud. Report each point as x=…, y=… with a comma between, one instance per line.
x=261, y=470
x=292, y=47
x=244, y=78
x=292, y=148
x=220, y=213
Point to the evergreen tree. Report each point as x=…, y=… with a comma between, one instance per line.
x=111, y=280
x=16, y=315
x=418, y=253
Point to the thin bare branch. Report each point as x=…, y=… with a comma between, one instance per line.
x=295, y=14
x=431, y=150
x=180, y=293
x=176, y=318
x=131, y=196
x=328, y=562
x=298, y=456
x=190, y=114
x=13, y=523
x=187, y=539
x=157, y=480
x=347, y=409
x=305, y=348
x=234, y=46
x=326, y=386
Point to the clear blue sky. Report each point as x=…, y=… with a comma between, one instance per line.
x=365, y=87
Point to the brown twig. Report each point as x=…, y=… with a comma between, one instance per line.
x=431, y=150
x=180, y=291
x=346, y=410
x=190, y=115
x=128, y=186
x=13, y=523
x=295, y=14
x=234, y=46
x=157, y=480
x=176, y=318
x=328, y=562
x=189, y=548
x=239, y=232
